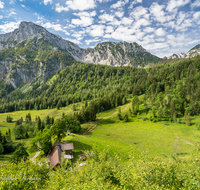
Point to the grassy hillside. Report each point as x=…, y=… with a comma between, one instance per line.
x=160, y=139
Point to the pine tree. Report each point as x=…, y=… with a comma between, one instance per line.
x=39, y=123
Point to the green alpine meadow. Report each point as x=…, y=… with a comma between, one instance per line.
x=110, y=117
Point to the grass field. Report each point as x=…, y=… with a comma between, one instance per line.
x=159, y=139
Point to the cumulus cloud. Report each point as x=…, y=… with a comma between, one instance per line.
x=195, y=4
x=196, y=15
x=85, y=18
x=56, y=27
x=174, y=4
x=96, y=30
x=60, y=8
x=134, y=2
x=78, y=35
x=91, y=41
x=157, y=11
x=160, y=32
x=119, y=14
x=73, y=40
x=155, y=46
x=184, y=26
x=126, y=21
x=119, y=4
x=138, y=12
x=180, y=18
x=106, y=18
x=1, y=5
x=9, y=27
x=81, y=5
x=48, y=1
x=109, y=29
x=148, y=30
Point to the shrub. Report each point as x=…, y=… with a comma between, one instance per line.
x=125, y=118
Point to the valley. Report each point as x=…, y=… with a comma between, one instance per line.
x=134, y=115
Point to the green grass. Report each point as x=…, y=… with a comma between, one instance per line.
x=152, y=139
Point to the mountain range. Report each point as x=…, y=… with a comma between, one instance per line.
x=31, y=53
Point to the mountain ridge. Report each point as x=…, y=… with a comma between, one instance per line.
x=31, y=53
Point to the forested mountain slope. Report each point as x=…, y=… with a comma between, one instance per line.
x=170, y=87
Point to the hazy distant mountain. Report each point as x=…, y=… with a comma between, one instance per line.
x=191, y=53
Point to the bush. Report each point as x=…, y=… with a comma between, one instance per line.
x=126, y=118
x=119, y=116
x=19, y=155
x=9, y=119
x=8, y=148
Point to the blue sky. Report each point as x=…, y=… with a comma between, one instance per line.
x=162, y=27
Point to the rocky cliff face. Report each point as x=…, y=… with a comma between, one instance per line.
x=31, y=53
x=117, y=54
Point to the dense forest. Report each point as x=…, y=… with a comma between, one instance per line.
x=168, y=89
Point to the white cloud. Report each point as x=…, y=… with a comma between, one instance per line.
x=134, y=2
x=141, y=22
x=106, y=18
x=84, y=21
x=124, y=34
x=9, y=27
x=184, y=26
x=12, y=13
x=196, y=15
x=81, y=5
x=1, y=5
x=78, y=36
x=56, y=27
x=48, y=1
x=195, y=4
x=160, y=32
x=86, y=14
x=126, y=21
x=96, y=30
x=155, y=46
x=148, y=30
x=91, y=41
x=138, y=12
x=148, y=39
x=1, y=17
x=23, y=6
x=119, y=4
x=12, y=2
x=60, y=8
x=174, y=4
x=85, y=18
x=157, y=11
x=103, y=1
x=109, y=29
x=180, y=18
x=73, y=40
x=119, y=14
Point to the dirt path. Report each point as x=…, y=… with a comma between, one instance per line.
x=37, y=153
x=93, y=126
x=127, y=106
